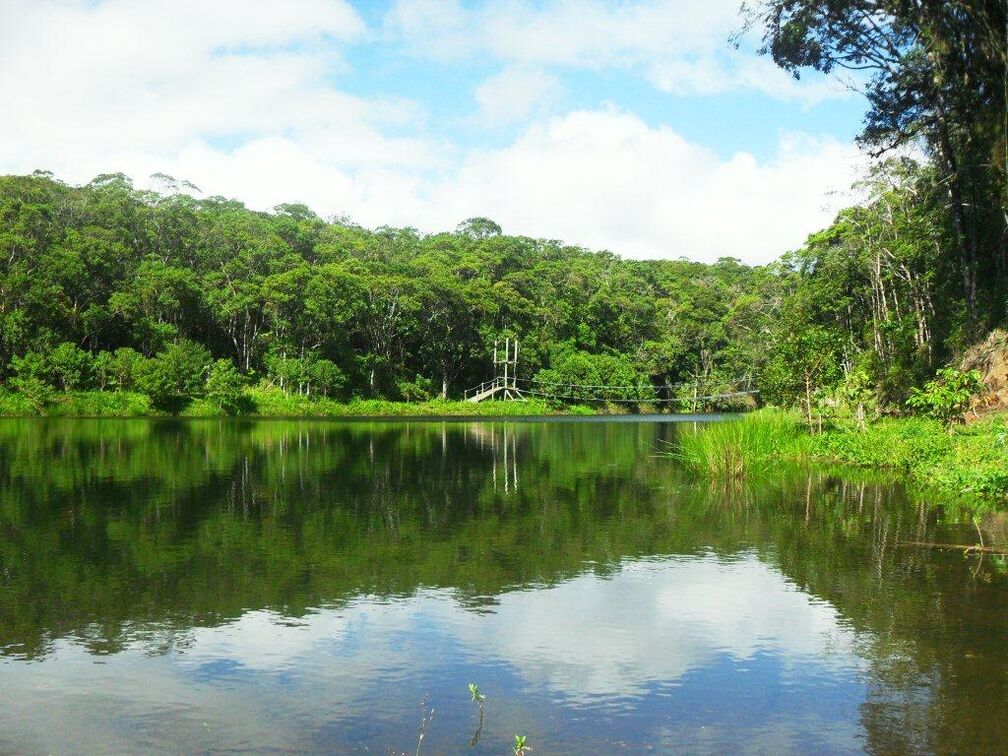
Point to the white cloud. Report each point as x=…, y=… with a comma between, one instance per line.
x=239, y=98
x=605, y=179
x=514, y=93
x=569, y=32
x=682, y=48
x=123, y=84
x=601, y=179
x=718, y=73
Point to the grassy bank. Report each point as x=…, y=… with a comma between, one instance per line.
x=750, y=445
x=259, y=402
x=971, y=463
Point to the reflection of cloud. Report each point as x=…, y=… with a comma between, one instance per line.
x=588, y=637
x=265, y=641
x=265, y=680
x=655, y=621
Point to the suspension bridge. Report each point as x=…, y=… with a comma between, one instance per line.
x=506, y=385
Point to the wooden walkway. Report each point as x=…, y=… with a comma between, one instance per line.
x=510, y=389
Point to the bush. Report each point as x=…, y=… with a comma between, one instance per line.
x=224, y=386
x=307, y=374
x=31, y=380
x=585, y=376
x=118, y=369
x=420, y=389
x=325, y=377
x=70, y=366
x=175, y=375
x=948, y=396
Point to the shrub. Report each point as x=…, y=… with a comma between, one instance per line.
x=586, y=376
x=31, y=379
x=948, y=396
x=224, y=386
x=117, y=369
x=420, y=389
x=325, y=377
x=175, y=375
x=70, y=366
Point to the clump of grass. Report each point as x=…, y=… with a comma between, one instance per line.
x=733, y=449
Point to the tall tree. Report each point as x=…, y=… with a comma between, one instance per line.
x=934, y=73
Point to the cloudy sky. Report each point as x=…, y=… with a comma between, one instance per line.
x=630, y=125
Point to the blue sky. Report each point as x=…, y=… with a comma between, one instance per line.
x=630, y=125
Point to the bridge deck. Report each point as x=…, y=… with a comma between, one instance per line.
x=583, y=393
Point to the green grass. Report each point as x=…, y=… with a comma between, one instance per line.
x=749, y=445
x=972, y=461
x=79, y=404
x=971, y=464
x=266, y=402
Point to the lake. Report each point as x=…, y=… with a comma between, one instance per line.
x=181, y=586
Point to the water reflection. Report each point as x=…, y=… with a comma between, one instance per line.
x=302, y=585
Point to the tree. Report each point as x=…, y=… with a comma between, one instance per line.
x=175, y=375
x=933, y=72
x=70, y=366
x=478, y=228
x=224, y=386
x=31, y=379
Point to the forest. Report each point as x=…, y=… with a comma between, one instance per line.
x=107, y=287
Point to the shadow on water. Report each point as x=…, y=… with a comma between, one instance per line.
x=599, y=595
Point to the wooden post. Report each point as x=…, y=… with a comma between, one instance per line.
x=507, y=357
x=514, y=373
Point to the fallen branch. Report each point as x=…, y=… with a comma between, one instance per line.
x=955, y=547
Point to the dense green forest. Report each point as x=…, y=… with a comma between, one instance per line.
x=108, y=287
x=101, y=282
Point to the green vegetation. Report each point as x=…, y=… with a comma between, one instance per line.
x=107, y=288
x=971, y=464
x=734, y=449
x=947, y=398
x=229, y=400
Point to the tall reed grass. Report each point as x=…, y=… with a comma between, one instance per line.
x=733, y=449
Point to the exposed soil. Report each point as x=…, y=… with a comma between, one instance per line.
x=990, y=357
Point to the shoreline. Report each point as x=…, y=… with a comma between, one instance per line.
x=257, y=403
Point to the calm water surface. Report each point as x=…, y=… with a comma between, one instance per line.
x=199, y=586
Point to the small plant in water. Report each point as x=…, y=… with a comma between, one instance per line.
x=478, y=698
x=520, y=747
x=426, y=716
x=734, y=449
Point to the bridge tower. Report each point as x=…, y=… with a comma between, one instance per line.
x=506, y=368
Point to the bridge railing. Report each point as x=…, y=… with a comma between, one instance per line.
x=634, y=394
x=483, y=387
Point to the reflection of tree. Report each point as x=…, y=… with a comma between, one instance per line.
x=135, y=531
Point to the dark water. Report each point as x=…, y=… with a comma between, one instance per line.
x=202, y=586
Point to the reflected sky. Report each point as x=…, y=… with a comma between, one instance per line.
x=705, y=640
x=303, y=586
